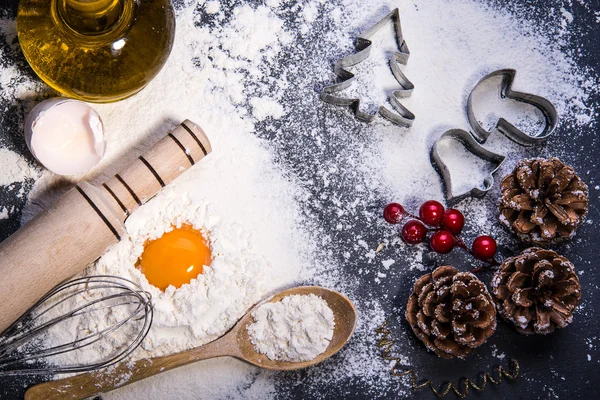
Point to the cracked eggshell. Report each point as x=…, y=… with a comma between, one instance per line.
x=68, y=167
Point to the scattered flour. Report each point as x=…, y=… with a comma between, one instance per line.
x=212, y=7
x=454, y=155
x=310, y=12
x=254, y=32
x=319, y=163
x=263, y=107
x=296, y=328
x=14, y=168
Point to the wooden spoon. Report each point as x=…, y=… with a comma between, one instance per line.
x=235, y=343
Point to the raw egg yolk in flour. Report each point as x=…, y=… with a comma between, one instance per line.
x=175, y=258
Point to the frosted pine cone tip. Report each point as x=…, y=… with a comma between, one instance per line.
x=452, y=312
x=537, y=291
x=543, y=201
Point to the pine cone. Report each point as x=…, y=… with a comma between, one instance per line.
x=543, y=201
x=451, y=312
x=537, y=291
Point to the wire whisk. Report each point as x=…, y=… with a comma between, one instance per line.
x=108, y=314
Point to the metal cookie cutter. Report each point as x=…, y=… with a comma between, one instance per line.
x=505, y=127
x=472, y=146
x=402, y=116
x=473, y=141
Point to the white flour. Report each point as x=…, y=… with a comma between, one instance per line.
x=301, y=195
x=254, y=32
x=15, y=171
x=455, y=155
x=14, y=168
x=264, y=107
x=296, y=328
x=209, y=305
x=237, y=195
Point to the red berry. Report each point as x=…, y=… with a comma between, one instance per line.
x=484, y=248
x=454, y=221
x=394, y=213
x=414, y=232
x=432, y=213
x=442, y=242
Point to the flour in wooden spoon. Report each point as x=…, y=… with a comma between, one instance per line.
x=297, y=328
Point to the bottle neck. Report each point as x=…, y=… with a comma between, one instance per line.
x=91, y=17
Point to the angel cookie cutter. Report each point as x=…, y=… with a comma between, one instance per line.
x=473, y=141
x=363, y=45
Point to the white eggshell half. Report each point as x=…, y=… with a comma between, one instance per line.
x=97, y=131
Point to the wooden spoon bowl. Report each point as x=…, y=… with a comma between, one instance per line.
x=344, y=316
x=235, y=343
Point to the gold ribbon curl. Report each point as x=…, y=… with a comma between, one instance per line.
x=385, y=343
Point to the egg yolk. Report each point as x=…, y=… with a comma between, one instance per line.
x=175, y=258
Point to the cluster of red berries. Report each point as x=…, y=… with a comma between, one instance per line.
x=446, y=226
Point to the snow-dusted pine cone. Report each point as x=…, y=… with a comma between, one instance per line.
x=537, y=291
x=543, y=201
x=452, y=312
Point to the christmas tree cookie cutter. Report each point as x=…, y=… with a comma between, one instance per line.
x=473, y=141
x=402, y=116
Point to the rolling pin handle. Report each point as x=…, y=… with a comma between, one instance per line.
x=180, y=149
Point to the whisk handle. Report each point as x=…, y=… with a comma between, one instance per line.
x=93, y=383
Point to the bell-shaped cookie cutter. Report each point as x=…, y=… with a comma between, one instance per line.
x=473, y=147
x=402, y=116
x=473, y=141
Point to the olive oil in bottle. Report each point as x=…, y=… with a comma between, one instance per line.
x=96, y=50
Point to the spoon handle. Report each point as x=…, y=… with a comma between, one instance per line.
x=93, y=383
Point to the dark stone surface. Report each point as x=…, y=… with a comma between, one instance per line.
x=552, y=366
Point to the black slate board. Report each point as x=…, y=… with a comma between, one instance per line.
x=552, y=366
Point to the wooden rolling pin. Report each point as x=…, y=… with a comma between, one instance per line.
x=62, y=240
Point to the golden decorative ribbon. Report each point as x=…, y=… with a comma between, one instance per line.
x=386, y=344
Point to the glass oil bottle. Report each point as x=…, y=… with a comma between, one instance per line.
x=96, y=50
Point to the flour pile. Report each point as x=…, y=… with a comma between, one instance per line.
x=209, y=305
x=195, y=313
x=296, y=328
